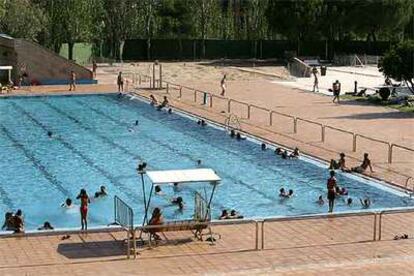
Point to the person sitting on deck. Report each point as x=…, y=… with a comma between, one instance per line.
x=178, y=201
x=8, y=222
x=102, y=192
x=234, y=215
x=224, y=214
x=156, y=219
x=163, y=104
x=365, y=164
x=340, y=164
x=46, y=226
x=154, y=100
x=67, y=204
x=17, y=222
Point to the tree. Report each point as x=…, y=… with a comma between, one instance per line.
x=398, y=63
x=15, y=16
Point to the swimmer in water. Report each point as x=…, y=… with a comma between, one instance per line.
x=102, y=192
x=365, y=203
x=50, y=134
x=263, y=146
x=235, y=215
x=240, y=137
x=224, y=214
x=320, y=200
x=282, y=192
x=67, y=204
x=285, y=154
x=158, y=191
x=295, y=153
x=232, y=133
x=349, y=201
x=278, y=151
x=136, y=122
x=178, y=201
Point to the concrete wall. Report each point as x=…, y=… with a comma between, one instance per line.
x=45, y=66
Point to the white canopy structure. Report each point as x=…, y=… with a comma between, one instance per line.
x=182, y=176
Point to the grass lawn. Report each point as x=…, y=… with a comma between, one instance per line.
x=376, y=100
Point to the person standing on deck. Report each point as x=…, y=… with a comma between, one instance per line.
x=120, y=82
x=94, y=67
x=315, y=81
x=84, y=198
x=336, y=89
x=223, y=85
x=72, y=81
x=331, y=186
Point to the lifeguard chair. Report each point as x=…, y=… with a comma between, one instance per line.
x=202, y=208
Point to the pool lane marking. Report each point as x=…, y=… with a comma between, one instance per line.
x=241, y=182
x=69, y=146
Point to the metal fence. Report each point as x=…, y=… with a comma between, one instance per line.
x=124, y=216
x=266, y=118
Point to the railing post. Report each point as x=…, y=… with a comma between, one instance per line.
x=263, y=235
x=140, y=79
x=128, y=246
x=181, y=92
x=354, y=143
x=228, y=106
x=211, y=100
x=295, y=125
x=168, y=88
x=390, y=153
x=375, y=227
x=323, y=134
x=380, y=226
x=195, y=95
x=248, y=111
x=150, y=82
x=257, y=236
x=270, y=117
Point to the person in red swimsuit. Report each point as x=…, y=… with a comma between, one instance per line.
x=84, y=198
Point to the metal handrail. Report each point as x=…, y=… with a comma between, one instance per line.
x=281, y=114
x=406, y=186
x=239, y=102
x=395, y=211
x=397, y=146
x=338, y=129
x=315, y=123
x=320, y=216
x=375, y=140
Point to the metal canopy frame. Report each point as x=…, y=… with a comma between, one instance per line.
x=186, y=176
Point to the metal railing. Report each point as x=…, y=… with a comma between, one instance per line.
x=356, y=137
x=399, y=226
x=124, y=216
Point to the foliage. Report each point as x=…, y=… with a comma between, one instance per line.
x=398, y=63
x=14, y=18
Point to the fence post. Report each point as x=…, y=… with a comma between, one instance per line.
x=181, y=92
x=295, y=125
x=195, y=95
x=139, y=79
x=168, y=88
x=323, y=134
x=390, y=153
x=263, y=235
x=380, y=226
x=228, y=106
x=354, y=142
x=257, y=236
x=270, y=117
x=211, y=100
x=375, y=227
x=150, y=82
x=248, y=111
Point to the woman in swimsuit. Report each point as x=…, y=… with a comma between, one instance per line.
x=83, y=196
x=331, y=186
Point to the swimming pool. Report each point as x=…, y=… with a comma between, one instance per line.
x=95, y=142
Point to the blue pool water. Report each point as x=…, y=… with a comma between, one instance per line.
x=96, y=143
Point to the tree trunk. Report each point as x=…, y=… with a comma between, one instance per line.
x=70, y=50
x=121, y=49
